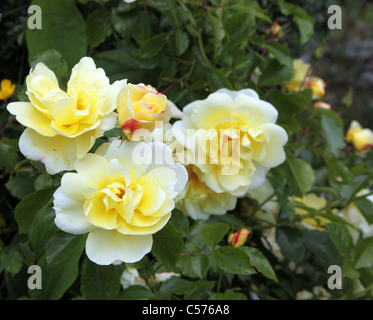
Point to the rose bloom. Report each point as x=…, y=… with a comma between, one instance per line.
x=239, y=140
x=199, y=201
x=63, y=126
x=140, y=107
x=361, y=139
x=6, y=89
x=119, y=201
x=302, y=79
x=311, y=200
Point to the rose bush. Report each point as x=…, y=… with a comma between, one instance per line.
x=179, y=150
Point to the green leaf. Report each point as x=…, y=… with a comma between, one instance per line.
x=217, y=80
x=150, y=47
x=238, y=28
x=337, y=169
x=58, y=279
x=141, y=29
x=341, y=237
x=200, y=265
x=300, y=173
x=364, y=253
x=305, y=25
x=42, y=230
x=332, y=130
x=167, y=245
x=366, y=208
x=291, y=243
x=228, y=295
x=136, y=293
x=99, y=282
x=9, y=156
x=260, y=262
x=349, y=190
x=60, y=246
x=63, y=29
x=280, y=52
x=43, y=181
x=212, y=234
x=194, y=242
x=217, y=30
x=301, y=18
x=98, y=27
x=288, y=104
x=181, y=286
x=275, y=74
x=233, y=260
x=180, y=222
x=179, y=42
x=346, y=101
x=27, y=210
x=322, y=246
x=21, y=185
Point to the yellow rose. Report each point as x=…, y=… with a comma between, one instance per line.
x=238, y=238
x=317, y=85
x=6, y=89
x=311, y=200
x=199, y=201
x=362, y=139
x=119, y=201
x=62, y=126
x=140, y=107
x=302, y=79
x=301, y=72
x=232, y=138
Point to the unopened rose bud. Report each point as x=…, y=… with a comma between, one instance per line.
x=238, y=238
x=275, y=30
x=322, y=105
x=6, y=89
x=140, y=107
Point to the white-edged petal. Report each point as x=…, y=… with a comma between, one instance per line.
x=69, y=214
x=106, y=246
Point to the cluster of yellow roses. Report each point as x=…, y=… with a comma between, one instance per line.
x=119, y=200
x=124, y=193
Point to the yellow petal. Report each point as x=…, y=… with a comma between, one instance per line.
x=30, y=117
x=153, y=195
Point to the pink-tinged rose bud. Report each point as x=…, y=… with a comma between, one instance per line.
x=275, y=30
x=322, y=105
x=140, y=107
x=238, y=238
